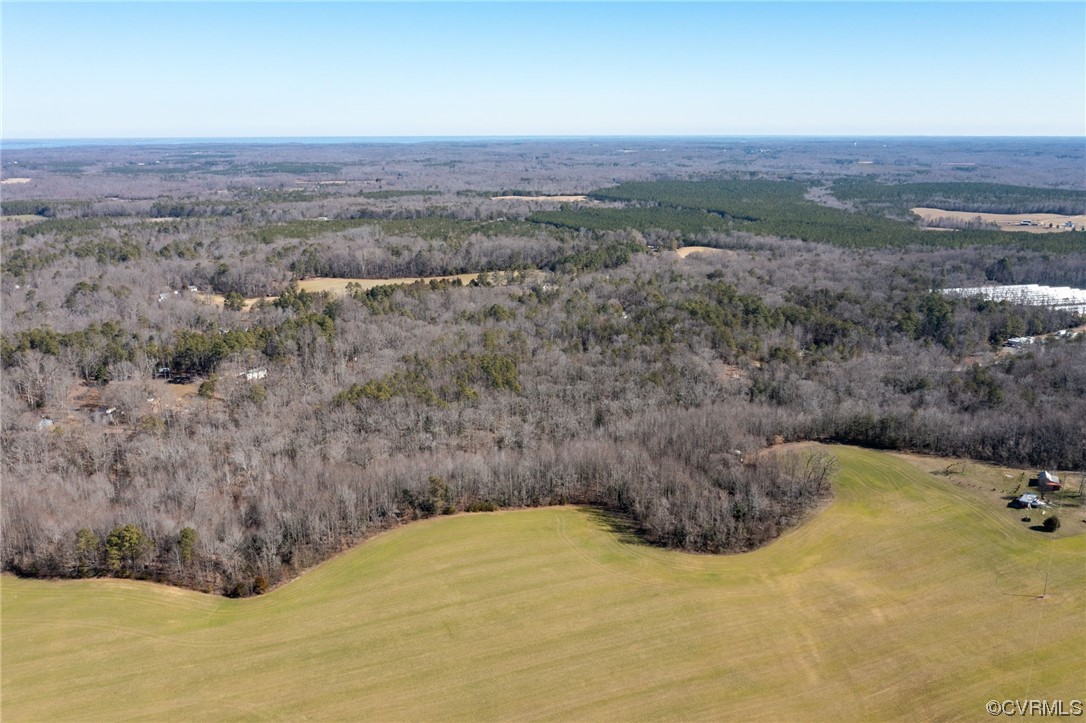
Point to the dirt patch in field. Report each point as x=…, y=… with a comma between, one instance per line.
x=707, y=250
x=169, y=396
x=728, y=372
x=82, y=398
x=85, y=404
x=219, y=300
x=1040, y=222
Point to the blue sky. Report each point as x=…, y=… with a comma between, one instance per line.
x=366, y=69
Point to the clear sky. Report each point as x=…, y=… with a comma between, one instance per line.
x=91, y=70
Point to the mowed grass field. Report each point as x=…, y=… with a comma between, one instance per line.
x=907, y=597
x=338, y=286
x=1007, y=221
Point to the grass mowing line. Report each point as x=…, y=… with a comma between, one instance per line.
x=1040, y=615
x=560, y=529
x=880, y=607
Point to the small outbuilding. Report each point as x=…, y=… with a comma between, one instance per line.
x=1046, y=481
x=1028, y=501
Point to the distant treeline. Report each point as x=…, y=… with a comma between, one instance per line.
x=777, y=208
x=979, y=197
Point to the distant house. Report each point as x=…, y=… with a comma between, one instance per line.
x=45, y=423
x=163, y=297
x=1046, y=481
x=194, y=289
x=255, y=373
x=1020, y=341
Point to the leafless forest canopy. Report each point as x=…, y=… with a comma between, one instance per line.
x=591, y=364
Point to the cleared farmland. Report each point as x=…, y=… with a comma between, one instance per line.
x=707, y=250
x=908, y=596
x=1040, y=222
x=338, y=286
x=563, y=199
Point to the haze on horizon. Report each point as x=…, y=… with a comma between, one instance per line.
x=144, y=70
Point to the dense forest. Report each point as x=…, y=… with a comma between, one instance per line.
x=180, y=404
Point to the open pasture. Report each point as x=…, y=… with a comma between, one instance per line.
x=1041, y=222
x=338, y=287
x=558, y=199
x=907, y=597
x=707, y=250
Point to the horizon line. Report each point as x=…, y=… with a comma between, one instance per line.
x=331, y=139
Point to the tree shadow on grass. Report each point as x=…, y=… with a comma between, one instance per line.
x=618, y=524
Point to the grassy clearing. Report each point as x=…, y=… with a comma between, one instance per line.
x=999, y=485
x=23, y=218
x=561, y=199
x=338, y=287
x=1046, y=222
x=707, y=250
x=908, y=597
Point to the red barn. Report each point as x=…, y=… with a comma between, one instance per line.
x=1048, y=482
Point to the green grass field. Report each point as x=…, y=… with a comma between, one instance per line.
x=907, y=597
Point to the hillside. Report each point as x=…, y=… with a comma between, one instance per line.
x=908, y=597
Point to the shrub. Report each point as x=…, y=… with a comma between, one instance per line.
x=234, y=301
x=207, y=388
x=186, y=544
x=87, y=552
x=125, y=547
x=1052, y=524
